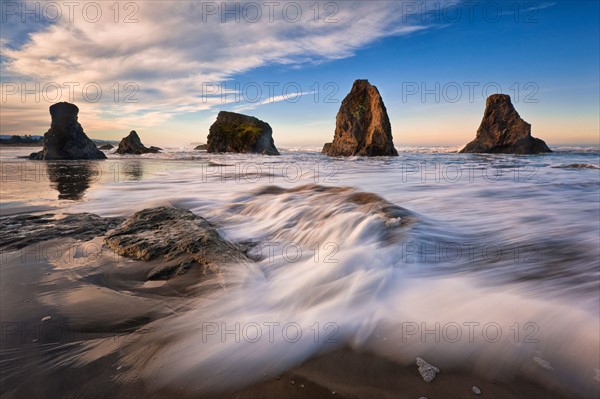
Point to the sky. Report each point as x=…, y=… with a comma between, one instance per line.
x=165, y=69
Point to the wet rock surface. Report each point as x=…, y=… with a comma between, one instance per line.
x=362, y=125
x=502, y=130
x=240, y=133
x=177, y=237
x=576, y=166
x=17, y=232
x=66, y=138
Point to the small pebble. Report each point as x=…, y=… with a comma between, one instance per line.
x=333, y=393
x=46, y=318
x=427, y=371
x=301, y=385
x=26, y=300
x=476, y=390
x=119, y=368
x=293, y=382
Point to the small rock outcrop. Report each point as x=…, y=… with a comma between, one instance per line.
x=234, y=132
x=133, y=145
x=201, y=147
x=20, y=231
x=502, y=131
x=362, y=125
x=176, y=238
x=106, y=147
x=326, y=148
x=66, y=138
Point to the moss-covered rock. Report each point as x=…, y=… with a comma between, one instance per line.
x=234, y=132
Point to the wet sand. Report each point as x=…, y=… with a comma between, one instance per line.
x=103, y=298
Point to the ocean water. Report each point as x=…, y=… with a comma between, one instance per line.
x=483, y=262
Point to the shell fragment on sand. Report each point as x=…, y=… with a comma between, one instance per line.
x=542, y=363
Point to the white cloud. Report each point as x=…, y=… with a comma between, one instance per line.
x=173, y=49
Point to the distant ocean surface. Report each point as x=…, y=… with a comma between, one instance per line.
x=502, y=239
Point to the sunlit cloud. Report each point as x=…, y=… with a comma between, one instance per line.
x=157, y=68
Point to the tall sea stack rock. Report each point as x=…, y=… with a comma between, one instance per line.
x=233, y=132
x=133, y=145
x=362, y=126
x=66, y=139
x=503, y=131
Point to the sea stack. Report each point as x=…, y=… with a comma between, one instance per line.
x=502, y=131
x=362, y=125
x=233, y=132
x=133, y=145
x=66, y=139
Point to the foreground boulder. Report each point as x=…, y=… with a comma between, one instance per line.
x=177, y=238
x=133, y=145
x=169, y=240
x=66, y=139
x=362, y=125
x=233, y=132
x=503, y=131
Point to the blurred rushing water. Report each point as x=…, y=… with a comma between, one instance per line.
x=494, y=238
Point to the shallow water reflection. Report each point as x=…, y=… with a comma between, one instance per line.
x=72, y=179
